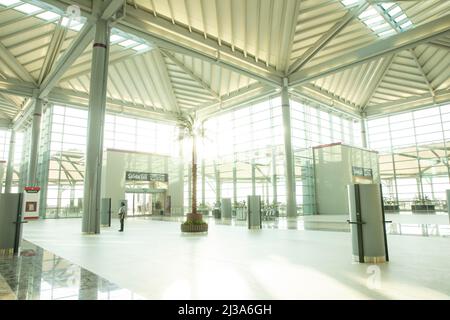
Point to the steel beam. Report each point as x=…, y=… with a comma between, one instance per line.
x=138, y=17
x=422, y=71
x=24, y=89
x=327, y=37
x=439, y=45
x=327, y=98
x=266, y=78
x=399, y=42
x=85, y=36
x=111, y=8
x=176, y=38
x=15, y=65
x=411, y=103
x=23, y=115
x=54, y=48
x=373, y=85
x=199, y=80
x=240, y=96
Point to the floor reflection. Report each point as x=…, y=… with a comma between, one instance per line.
x=40, y=275
x=283, y=223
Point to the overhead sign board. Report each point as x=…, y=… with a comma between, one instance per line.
x=146, y=176
x=362, y=172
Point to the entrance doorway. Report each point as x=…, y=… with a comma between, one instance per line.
x=139, y=204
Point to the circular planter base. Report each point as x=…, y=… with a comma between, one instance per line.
x=194, y=228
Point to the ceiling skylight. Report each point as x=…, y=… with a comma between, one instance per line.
x=386, y=6
x=349, y=3
x=369, y=13
x=373, y=21
x=141, y=47
x=27, y=8
x=384, y=19
x=128, y=43
x=48, y=15
x=397, y=16
x=116, y=38
x=394, y=10
x=406, y=25
x=8, y=3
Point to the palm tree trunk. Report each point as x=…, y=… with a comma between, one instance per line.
x=194, y=175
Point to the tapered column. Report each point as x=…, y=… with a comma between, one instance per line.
x=34, y=147
x=10, y=165
x=364, y=131
x=96, y=120
x=291, y=206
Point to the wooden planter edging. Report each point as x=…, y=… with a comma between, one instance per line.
x=194, y=228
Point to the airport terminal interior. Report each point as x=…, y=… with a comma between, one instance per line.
x=259, y=149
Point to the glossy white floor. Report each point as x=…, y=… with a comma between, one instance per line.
x=153, y=259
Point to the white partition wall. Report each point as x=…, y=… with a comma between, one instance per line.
x=336, y=166
x=115, y=184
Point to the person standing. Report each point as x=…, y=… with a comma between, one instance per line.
x=122, y=213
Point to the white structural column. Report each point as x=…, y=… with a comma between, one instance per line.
x=291, y=206
x=364, y=131
x=10, y=168
x=234, y=183
x=34, y=148
x=253, y=178
x=218, y=191
x=274, y=177
x=2, y=173
x=96, y=120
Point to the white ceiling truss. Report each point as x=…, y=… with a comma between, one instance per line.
x=171, y=56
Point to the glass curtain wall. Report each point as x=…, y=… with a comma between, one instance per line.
x=313, y=125
x=4, y=151
x=18, y=148
x=63, y=148
x=65, y=168
x=414, y=157
x=239, y=144
x=250, y=141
